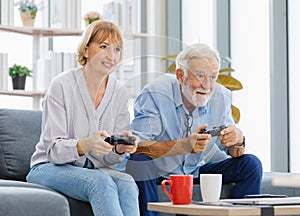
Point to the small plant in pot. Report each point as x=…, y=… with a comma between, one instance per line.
x=91, y=16
x=28, y=10
x=18, y=73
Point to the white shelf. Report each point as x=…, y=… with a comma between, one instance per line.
x=133, y=36
x=43, y=32
x=51, y=32
x=36, y=96
x=23, y=93
x=37, y=34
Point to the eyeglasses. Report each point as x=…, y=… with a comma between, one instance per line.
x=201, y=77
x=188, y=123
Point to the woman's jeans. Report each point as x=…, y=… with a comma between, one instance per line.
x=109, y=191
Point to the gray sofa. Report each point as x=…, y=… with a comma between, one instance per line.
x=19, y=132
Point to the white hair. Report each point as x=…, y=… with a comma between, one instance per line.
x=199, y=50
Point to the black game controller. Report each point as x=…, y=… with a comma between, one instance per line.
x=215, y=131
x=115, y=140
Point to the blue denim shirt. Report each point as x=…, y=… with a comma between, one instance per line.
x=159, y=115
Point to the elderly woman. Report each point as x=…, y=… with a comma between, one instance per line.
x=81, y=108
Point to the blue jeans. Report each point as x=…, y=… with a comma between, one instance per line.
x=109, y=191
x=244, y=171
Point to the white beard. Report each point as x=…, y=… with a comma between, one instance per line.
x=194, y=98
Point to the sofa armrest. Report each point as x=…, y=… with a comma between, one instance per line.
x=269, y=188
x=17, y=201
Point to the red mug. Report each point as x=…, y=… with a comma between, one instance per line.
x=181, y=188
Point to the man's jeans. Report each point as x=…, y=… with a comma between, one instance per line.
x=244, y=171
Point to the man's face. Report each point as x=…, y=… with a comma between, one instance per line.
x=199, y=84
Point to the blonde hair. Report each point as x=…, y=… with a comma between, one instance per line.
x=98, y=31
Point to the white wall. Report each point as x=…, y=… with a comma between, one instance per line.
x=250, y=59
x=294, y=77
x=198, y=21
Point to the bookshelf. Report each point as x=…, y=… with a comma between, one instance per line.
x=36, y=34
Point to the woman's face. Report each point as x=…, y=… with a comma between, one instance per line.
x=103, y=57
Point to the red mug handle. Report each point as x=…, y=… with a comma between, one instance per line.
x=163, y=186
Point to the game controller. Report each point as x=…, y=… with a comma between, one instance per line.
x=115, y=140
x=215, y=131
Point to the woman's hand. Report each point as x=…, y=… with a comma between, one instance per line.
x=121, y=148
x=94, y=144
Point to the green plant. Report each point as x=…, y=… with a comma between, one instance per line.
x=18, y=70
x=91, y=16
x=224, y=79
x=27, y=6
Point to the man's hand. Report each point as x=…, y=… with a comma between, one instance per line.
x=230, y=137
x=94, y=144
x=199, y=141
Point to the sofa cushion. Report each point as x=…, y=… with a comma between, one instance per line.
x=19, y=132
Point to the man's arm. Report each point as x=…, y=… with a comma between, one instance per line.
x=163, y=149
x=194, y=143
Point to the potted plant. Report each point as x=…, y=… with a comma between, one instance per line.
x=28, y=10
x=224, y=79
x=18, y=74
x=91, y=16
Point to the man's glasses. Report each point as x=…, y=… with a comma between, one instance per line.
x=188, y=123
x=201, y=76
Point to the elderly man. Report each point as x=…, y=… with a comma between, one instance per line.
x=168, y=116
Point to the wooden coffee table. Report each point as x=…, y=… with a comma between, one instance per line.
x=207, y=210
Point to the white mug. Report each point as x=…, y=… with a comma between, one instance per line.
x=210, y=185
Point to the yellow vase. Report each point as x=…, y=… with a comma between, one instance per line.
x=27, y=18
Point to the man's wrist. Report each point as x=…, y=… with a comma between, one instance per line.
x=240, y=145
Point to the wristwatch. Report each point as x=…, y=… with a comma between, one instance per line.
x=242, y=145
